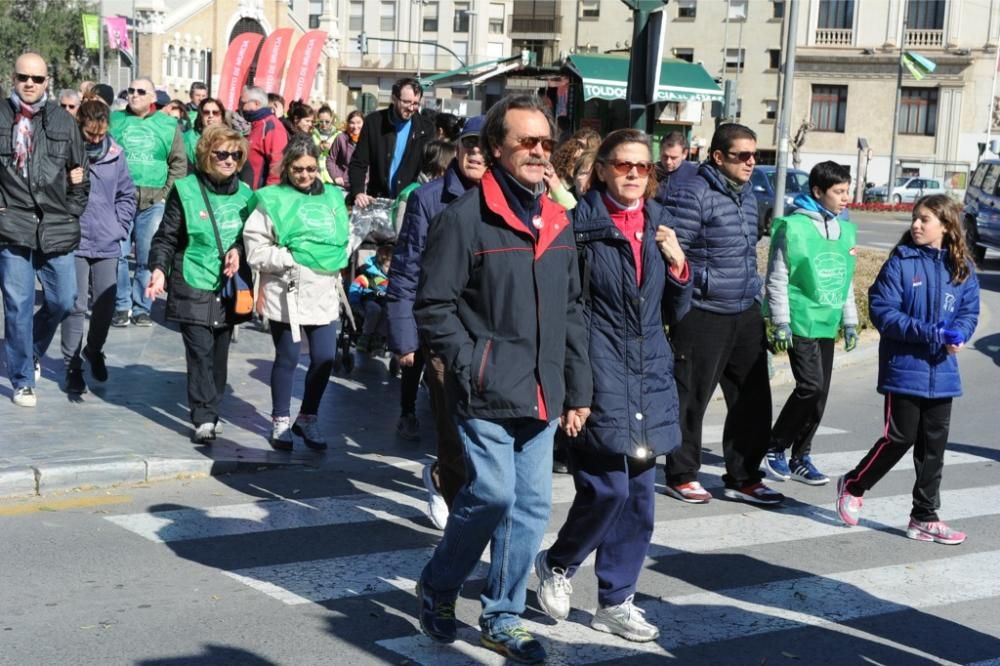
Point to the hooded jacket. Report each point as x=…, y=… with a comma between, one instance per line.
x=106, y=220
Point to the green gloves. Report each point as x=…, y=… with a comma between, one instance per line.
x=850, y=338
x=781, y=338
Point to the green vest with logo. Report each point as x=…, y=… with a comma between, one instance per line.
x=190, y=143
x=147, y=143
x=314, y=228
x=819, y=274
x=202, y=264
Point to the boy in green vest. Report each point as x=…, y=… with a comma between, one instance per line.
x=810, y=296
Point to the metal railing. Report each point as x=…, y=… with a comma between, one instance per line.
x=924, y=38
x=534, y=24
x=405, y=62
x=834, y=37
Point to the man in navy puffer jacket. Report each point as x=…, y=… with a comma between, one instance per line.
x=722, y=338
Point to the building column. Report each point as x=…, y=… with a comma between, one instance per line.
x=949, y=123
x=953, y=25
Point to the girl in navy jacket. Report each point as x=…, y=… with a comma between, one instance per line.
x=925, y=304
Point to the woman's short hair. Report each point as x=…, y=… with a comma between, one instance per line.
x=213, y=138
x=607, y=149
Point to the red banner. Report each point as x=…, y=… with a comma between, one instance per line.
x=302, y=69
x=271, y=63
x=236, y=66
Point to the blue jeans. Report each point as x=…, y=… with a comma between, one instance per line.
x=123, y=295
x=505, y=504
x=27, y=334
x=146, y=224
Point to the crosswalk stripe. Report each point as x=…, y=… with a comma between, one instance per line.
x=376, y=573
x=819, y=601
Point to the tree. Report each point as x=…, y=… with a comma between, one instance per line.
x=53, y=29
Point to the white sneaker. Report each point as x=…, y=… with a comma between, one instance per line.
x=625, y=620
x=307, y=427
x=437, y=508
x=554, y=588
x=24, y=397
x=281, y=433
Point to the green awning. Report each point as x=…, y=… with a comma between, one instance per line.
x=606, y=77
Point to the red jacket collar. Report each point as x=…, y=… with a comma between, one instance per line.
x=553, y=217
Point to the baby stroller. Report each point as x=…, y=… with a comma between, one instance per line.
x=373, y=234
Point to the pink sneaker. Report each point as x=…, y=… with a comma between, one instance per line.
x=935, y=531
x=848, y=506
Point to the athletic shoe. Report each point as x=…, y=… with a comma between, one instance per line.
x=142, y=320
x=74, y=381
x=437, y=508
x=204, y=433
x=934, y=531
x=307, y=428
x=24, y=397
x=98, y=368
x=554, y=588
x=774, y=462
x=281, y=433
x=363, y=345
x=514, y=643
x=755, y=493
x=625, y=620
x=38, y=370
x=408, y=427
x=848, y=506
x=692, y=493
x=803, y=470
x=120, y=319
x=437, y=615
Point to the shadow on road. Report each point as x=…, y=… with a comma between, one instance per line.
x=212, y=655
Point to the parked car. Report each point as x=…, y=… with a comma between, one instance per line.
x=908, y=189
x=762, y=180
x=982, y=209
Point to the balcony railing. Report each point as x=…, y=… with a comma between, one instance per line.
x=534, y=24
x=408, y=62
x=834, y=37
x=925, y=38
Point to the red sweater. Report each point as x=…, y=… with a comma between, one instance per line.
x=632, y=222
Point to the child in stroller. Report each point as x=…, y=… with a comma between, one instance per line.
x=367, y=299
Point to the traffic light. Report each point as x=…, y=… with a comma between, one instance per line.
x=362, y=42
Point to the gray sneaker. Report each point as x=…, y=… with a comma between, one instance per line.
x=625, y=620
x=24, y=397
x=281, y=433
x=554, y=588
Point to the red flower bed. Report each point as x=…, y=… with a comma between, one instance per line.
x=878, y=207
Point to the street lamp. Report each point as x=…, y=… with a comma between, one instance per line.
x=420, y=32
x=471, y=14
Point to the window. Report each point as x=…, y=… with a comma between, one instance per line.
x=461, y=18
x=918, y=111
x=925, y=14
x=684, y=54
x=836, y=14
x=735, y=59
x=356, y=20
x=590, y=9
x=770, y=109
x=431, y=17
x=686, y=9
x=315, y=13
x=774, y=58
x=462, y=49
x=738, y=10
x=778, y=9
x=387, y=16
x=496, y=19
x=171, y=58
x=829, y=108
x=495, y=50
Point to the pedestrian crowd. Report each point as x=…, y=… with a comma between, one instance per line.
x=569, y=303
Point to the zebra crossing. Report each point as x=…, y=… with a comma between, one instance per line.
x=690, y=615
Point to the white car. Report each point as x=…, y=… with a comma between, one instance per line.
x=909, y=189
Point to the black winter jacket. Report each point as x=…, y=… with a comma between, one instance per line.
x=187, y=304
x=373, y=156
x=503, y=309
x=42, y=212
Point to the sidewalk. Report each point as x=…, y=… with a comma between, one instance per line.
x=135, y=428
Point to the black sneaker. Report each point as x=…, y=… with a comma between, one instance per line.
x=74, y=381
x=437, y=615
x=98, y=368
x=408, y=427
x=142, y=320
x=514, y=643
x=120, y=319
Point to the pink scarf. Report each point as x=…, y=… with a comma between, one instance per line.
x=23, y=139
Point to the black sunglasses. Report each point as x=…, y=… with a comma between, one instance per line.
x=137, y=91
x=223, y=155
x=470, y=141
x=35, y=78
x=529, y=143
x=745, y=155
x=68, y=107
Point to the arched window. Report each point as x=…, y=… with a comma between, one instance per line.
x=194, y=71
x=203, y=66
x=182, y=62
x=249, y=25
x=171, y=58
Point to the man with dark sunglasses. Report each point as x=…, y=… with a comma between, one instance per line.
x=154, y=150
x=69, y=100
x=722, y=339
x=39, y=220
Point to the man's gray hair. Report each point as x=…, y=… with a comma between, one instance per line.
x=70, y=93
x=256, y=94
x=495, y=126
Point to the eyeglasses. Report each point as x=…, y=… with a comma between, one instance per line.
x=68, y=107
x=529, y=142
x=745, y=155
x=470, y=141
x=304, y=169
x=211, y=112
x=141, y=92
x=223, y=155
x=34, y=78
x=622, y=167
x=409, y=102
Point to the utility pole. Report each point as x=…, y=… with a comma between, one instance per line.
x=645, y=58
x=787, y=92
x=895, y=110
x=100, y=41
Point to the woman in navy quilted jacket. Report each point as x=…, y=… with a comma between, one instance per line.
x=925, y=304
x=635, y=279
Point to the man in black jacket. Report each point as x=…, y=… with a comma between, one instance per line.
x=39, y=219
x=391, y=146
x=499, y=301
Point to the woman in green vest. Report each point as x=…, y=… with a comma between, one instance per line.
x=198, y=246
x=810, y=296
x=296, y=239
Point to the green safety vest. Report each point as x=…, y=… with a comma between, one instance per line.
x=202, y=264
x=819, y=274
x=190, y=143
x=314, y=228
x=147, y=143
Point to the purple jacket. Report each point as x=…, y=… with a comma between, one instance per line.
x=110, y=208
x=340, y=157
